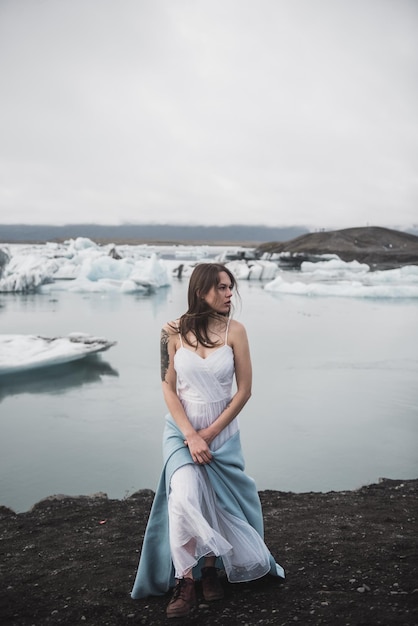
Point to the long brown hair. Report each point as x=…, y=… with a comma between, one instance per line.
x=196, y=319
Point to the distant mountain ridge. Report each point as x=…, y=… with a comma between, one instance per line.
x=148, y=233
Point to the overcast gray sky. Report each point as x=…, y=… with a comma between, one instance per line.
x=271, y=112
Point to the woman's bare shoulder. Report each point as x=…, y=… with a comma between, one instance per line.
x=171, y=328
x=236, y=329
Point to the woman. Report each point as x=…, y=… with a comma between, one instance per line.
x=206, y=511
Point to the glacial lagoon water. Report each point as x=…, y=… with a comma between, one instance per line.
x=334, y=405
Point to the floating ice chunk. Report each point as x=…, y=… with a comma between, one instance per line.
x=190, y=252
x=236, y=254
x=130, y=286
x=334, y=266
x=26, y=273
x=67, y=270
x=81, y=243
x=152, y=273
x=334, y=269
x=105, y=267
x=105, y=274
x=407, y=275
x=27, y=352
x=253, y=270
x=354, y=280
x=372, y=285
x=4, y=259
x=240, y=269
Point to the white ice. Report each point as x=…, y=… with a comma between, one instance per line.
x=349, y=280
x=26, y=352
x=253, y=270
x=27, y=272
x=81, y=265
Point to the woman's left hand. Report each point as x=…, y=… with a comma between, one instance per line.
x=199, y=449
x=207, y=435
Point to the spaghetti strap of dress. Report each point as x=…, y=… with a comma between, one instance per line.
x=226, y=332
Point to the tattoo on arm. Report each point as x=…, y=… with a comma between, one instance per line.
x=164, y=354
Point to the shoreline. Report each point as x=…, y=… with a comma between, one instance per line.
x=102, y=495
x=349, y=556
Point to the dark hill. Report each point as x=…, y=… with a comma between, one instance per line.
x=381, y=248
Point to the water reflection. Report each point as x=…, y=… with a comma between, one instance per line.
x=56, y=379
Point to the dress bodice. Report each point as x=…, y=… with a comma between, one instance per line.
x=204, y=387
x=204, y=380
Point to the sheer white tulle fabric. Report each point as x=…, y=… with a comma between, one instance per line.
x=198, y=525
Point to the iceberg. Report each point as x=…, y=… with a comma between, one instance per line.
x=126, y=275
x=253, y=270
x=84, y=266
x=334, y=268
x=27, y=352
x=26, y=273
x=348, y=280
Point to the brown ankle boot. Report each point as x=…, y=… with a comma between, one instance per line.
x=211, y=586
x=183, y=600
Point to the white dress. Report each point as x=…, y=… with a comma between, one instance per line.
x=198, y=526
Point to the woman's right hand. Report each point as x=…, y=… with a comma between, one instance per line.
x=199, y=449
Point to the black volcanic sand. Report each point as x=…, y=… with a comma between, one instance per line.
x=350, y=557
